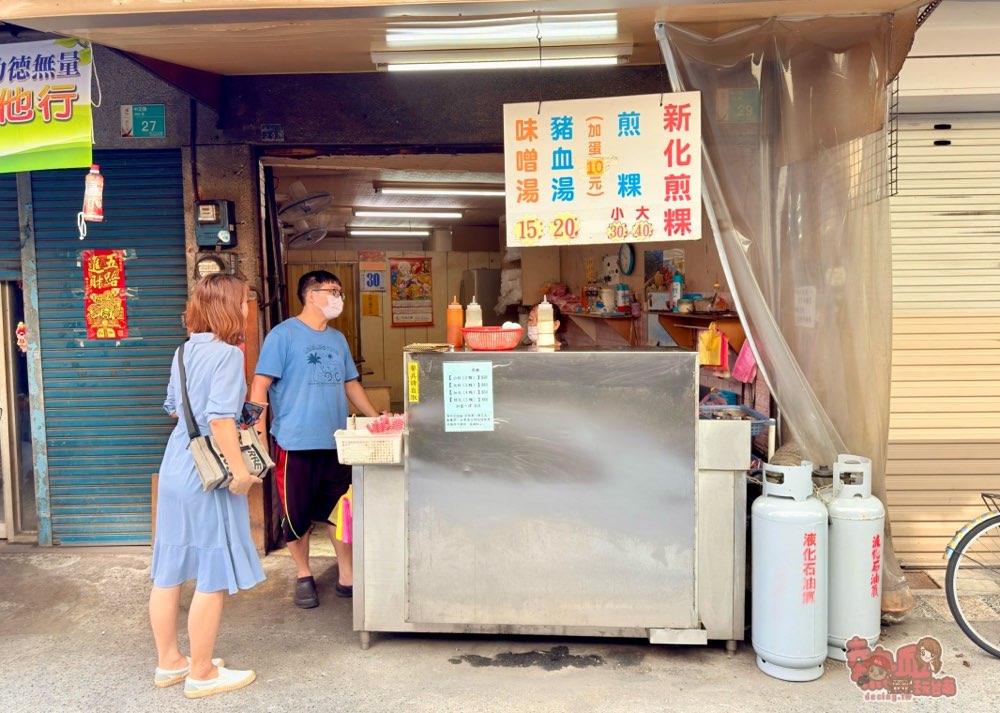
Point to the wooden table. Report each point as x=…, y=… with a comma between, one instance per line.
x=683, y=327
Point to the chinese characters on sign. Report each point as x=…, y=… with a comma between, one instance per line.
x=468, y=396
x=413, y=382
x=45, y=115
x=876, y=577
x=809, y=568
x=410, y=291
x=104, y=294
x=603, y=170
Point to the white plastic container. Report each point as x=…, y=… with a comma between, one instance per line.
x=473, y=314
x=623, y=297
x=857, y=529
x=789, y=575
x=546, y=324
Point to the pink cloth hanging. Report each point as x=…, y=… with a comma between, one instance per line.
x=745, y=367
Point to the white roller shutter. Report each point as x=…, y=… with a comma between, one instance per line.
x=944, y=432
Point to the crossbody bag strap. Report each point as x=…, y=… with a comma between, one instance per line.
x=192, y=425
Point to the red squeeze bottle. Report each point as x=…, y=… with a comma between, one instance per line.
x=456, y=318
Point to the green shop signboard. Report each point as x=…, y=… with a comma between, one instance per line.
x=45, y=116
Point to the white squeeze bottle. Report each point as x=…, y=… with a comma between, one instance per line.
x=546, y=325
x=473, y=314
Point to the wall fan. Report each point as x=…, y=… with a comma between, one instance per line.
x=303, y=203
x=308, y=231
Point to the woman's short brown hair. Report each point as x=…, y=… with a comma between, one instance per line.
x=216, y=306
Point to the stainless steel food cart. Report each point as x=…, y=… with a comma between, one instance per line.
x=570, y=492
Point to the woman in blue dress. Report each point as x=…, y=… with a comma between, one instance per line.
x=203, y=536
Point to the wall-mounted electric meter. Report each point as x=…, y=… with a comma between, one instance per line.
x=215, y=224
x=212, y=263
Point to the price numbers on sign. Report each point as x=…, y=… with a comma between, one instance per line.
x=528, y=231
x=642, y=230
x=595, y=167
x=564, y=227
x=617, y=230
x=372, y=281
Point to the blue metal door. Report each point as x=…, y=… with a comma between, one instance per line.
x=10, y=240
x=104, y=422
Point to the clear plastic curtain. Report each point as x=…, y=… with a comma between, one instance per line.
x=796, y=188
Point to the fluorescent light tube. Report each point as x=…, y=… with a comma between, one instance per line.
x=387, y=233
x=504, y=64
x=498, y=192
x=442, y=215
x=581, y=55
x=574, y=28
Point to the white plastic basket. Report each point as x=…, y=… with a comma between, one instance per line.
x=356, y=446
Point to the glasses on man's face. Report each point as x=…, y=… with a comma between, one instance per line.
x=335, y=291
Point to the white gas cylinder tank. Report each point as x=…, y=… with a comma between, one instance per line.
x=857, y=530
x=789, y=575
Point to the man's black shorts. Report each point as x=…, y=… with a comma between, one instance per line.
x=309, y=484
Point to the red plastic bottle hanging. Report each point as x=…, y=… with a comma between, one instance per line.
x=93, y=195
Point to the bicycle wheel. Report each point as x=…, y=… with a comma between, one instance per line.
x=972, y=584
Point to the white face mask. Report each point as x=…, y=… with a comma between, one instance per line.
x=533, y=333
x=334, y=306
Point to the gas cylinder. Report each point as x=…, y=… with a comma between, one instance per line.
x=857, y=526
x=454, y=323
x=93, y=195
x=789, y=575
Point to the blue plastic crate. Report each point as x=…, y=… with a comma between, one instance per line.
x=758, y=421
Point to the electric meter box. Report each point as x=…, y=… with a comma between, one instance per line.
x=215, y=224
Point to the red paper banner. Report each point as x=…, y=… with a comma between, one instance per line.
x=104, y=294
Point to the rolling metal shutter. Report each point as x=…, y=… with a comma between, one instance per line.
x=10, y=238
x=944, y=433
x=105, y=426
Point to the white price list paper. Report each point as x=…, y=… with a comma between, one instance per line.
x=468, y=396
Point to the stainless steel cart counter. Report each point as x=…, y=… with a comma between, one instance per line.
x=555, y=493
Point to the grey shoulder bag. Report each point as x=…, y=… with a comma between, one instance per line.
x=208, y=459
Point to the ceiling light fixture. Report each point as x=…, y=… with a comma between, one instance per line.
x=599, y=27
x=441, y=215
x=502, y=57
x=485, y=190
x=503, y=64
x=387, y=233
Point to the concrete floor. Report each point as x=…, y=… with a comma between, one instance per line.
x=74, y=637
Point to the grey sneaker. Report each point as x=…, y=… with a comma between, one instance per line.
x=163, y=677
x=305, y=593
x=226, y=681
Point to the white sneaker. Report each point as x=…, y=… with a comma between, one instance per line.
x=164, y=677
x=227, y=680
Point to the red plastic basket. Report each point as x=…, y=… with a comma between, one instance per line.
x=487, y=339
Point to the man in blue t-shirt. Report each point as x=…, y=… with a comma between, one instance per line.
x=306, y=373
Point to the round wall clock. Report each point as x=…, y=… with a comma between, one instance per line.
x=626, y=259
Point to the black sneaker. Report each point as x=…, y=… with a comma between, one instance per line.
x=305, y=593
x=344, y=590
